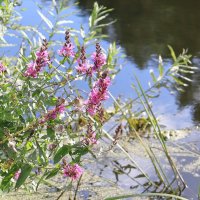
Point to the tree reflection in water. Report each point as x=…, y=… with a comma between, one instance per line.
x=144, y=28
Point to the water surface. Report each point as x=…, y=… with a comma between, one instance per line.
x=145, y=28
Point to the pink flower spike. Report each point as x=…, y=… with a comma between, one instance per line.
x=73, y=171
x=68, y=49
x=98, y=94
x=91, y=109
x=60, y=109
x=84, y=68
x=90, y=139
x=81, y=68
x=98, y=58
x=2, y=67
x=42, y=59
x=52, y=114
x=31, y=71
x=17, y=174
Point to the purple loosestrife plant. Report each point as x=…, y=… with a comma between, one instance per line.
x=99, y=91
x=84, y=66
x=52, y=114
x=99, y=58
x=33, y=141
x=98, y=94
x=90, y=138
x=2, y=68
x=68, y=49
x=72, y=171
x=42, y=59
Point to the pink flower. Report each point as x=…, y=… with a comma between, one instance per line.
x=98, y=94
x=60, y=109
x=2, y=67
x=52, y=114
x=68, y=49
x=103, y=83
x=42, y=59
x=17, y=174
x=91, y=109
x=90, y=138
x=73, y=171
x=31, y=70
x=98, y=58
x=94, y=96
x=82, y=67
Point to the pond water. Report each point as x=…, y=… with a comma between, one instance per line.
x=143, y=30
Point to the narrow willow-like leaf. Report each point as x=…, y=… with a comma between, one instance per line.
x=45, y=19
x=178, y=81
x=25, y=171
x=26, y=37
x=172, y=52
x=153, y=76
x=160, y=67
x=42, y=156
x=65, y=149
x=52, y=173
x=61, y=22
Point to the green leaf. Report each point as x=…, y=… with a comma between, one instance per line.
x=52, y=173
x=42, y=157
x=82, y=32
x=65, y=149
x=6, y=181
x=25, y=171
x=160, y=67
x=25, y=36
x=51, y=133
x=45, y=19
x=140, y=176
x=153, y=76
x=178, y=81
x=172, y=52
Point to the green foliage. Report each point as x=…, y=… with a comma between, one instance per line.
x=25, y=172
x=65, y=149
x=176, y=76
x=27, y=144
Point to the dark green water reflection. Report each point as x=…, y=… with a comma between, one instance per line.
x=145, y=27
